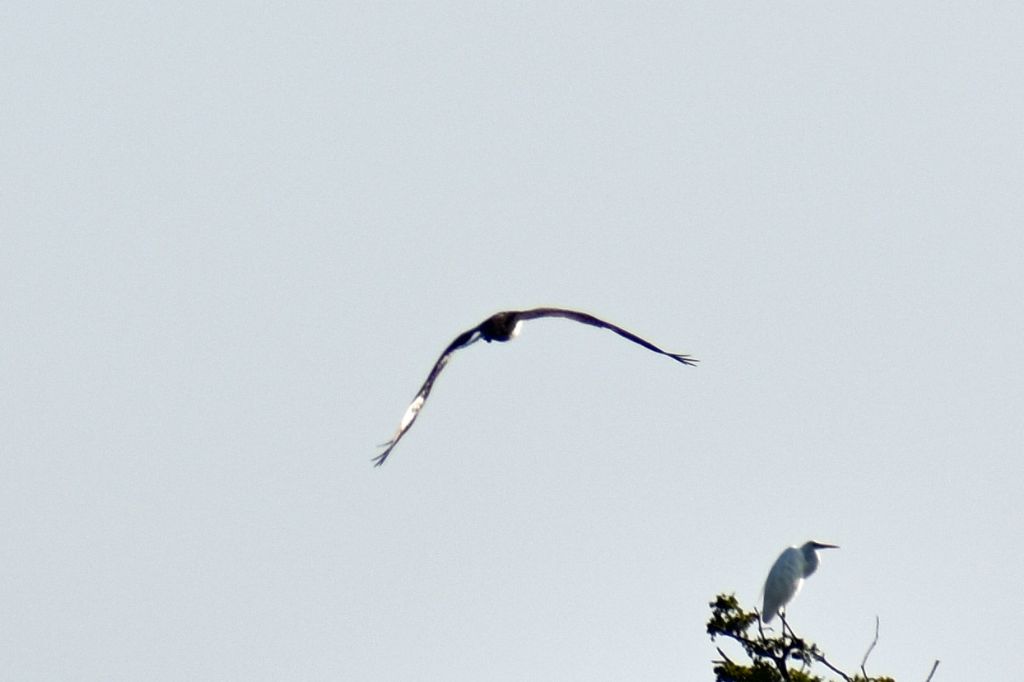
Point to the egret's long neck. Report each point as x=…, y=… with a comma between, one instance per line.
x=810, y=563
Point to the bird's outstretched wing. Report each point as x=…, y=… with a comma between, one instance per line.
x=463, y=339
x=498, y=328
x=595, y=322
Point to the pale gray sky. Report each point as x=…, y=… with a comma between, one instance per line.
x=236, y=236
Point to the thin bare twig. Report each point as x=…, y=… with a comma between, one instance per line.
x=799, y=644
x=871, y=648
x=934, y=666
x=821, y=659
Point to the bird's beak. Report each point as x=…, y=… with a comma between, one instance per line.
x=822, y=545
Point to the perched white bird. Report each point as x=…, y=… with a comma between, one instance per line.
x=501, y=327
x=788, y=574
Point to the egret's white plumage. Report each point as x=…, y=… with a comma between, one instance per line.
x=787, y=576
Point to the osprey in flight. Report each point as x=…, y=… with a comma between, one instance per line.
x=504, y=326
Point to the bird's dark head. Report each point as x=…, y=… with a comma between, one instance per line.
x=500, y=327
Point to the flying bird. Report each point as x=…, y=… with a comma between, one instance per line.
x=787, y=576
x=504, y=326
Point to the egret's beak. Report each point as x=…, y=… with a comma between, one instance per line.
x=822, y=545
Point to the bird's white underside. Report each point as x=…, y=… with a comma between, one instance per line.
x=410, y=413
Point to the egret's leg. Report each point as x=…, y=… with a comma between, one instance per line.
x=785, y=624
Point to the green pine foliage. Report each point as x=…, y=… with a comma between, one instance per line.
x=781, y=657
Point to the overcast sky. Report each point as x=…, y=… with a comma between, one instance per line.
x=234, y=238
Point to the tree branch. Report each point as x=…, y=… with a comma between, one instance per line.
x=821, y=659
x=871, y=648
x=775, y=654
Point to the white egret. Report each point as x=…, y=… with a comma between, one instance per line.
x=787, y=576
x=502, y=327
